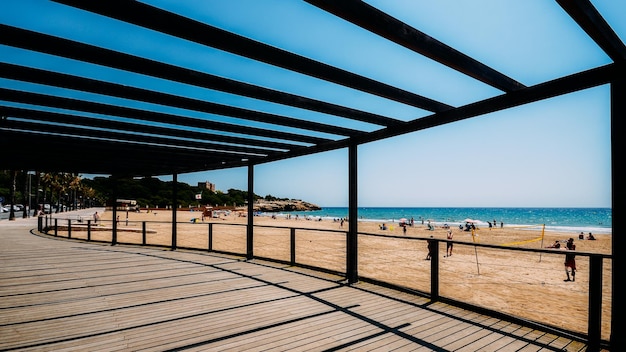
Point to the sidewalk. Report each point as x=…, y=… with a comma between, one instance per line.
x=32, y=221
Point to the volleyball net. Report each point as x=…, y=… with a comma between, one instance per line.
x=542, y=227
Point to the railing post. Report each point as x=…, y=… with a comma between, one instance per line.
x=352, y=236
x=88, y=230
x=69, y=228
x=143, y=233
x=56, y=227
x=433, y=249
x=293, y=245
x=210, y=246
x=594, y=322
x=40, y=223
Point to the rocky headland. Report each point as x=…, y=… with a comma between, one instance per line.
x=284, y=205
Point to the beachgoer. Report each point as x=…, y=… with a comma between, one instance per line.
x=404, y=229
x=449, y=245
x=590, y=237
x=96, y=217
x=556, y=244
x=501, y=224
x=430, y=246
x=570, y=260
x=581, y=236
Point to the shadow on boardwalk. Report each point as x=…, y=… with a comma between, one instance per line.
x=63, y=294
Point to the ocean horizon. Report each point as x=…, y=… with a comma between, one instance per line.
x=574, y=220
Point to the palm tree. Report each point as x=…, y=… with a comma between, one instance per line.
x=37, y=185
x=74, y=186
x=46, y=182
x=12, y=195
x=25, y=194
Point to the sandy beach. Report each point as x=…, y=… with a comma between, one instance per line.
x=528, y=285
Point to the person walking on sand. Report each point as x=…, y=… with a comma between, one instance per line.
x=431, y=246
x=96, y=217
x=449, y=245
x=570, y=260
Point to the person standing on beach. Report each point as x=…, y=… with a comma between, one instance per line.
x=431, y=246
x=570, y=260
x=449, y=245
x=96, y=217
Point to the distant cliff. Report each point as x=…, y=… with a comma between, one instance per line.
x=284, y=205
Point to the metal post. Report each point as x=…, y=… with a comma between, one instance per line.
x=433, y=248
x=618, y=243
x=88, y=230
x=143, y=233
x=174, y=206
x=250, y=229
x=210, y=247
x=69, y=228
x=594, y=322
x=293, y=246
x=352, y=273
x=114, y=219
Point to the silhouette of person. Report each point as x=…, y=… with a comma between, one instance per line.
x=570, y=260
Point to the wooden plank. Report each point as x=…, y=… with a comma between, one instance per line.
x=81, y=298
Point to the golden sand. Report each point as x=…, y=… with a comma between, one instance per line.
x=527, y=285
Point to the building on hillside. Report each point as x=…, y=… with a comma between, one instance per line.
x=208, y=185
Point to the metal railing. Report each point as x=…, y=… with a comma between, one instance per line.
x=325, y=250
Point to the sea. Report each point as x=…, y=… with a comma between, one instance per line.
x=574, y=220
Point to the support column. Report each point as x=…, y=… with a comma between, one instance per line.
x=114, y=206
x=618, y=241
x=250, y=227
x=352, y=272
x=174, y=209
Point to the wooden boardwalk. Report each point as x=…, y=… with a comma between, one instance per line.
x=63, y=295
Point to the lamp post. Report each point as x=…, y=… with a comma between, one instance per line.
x=29, y=206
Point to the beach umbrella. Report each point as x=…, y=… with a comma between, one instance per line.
x=468, y=220
x=403, y=220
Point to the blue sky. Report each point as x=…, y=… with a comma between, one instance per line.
x=551, y=153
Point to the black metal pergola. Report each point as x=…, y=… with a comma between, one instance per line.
x=132, y=140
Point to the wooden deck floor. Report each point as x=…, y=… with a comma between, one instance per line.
x=60, y=295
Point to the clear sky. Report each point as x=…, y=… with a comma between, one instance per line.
x=554, y=153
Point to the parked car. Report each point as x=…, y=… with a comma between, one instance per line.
x=16, y=207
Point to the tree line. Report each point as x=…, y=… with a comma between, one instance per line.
x=69, y=191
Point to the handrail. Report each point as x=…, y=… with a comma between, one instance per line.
x=595, y=262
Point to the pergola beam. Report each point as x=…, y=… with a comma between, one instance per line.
x=44, y=43
x=182, y=27
x=376, y=21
